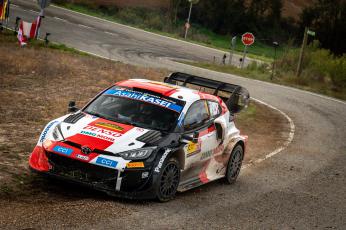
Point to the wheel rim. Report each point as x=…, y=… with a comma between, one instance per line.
x=169, y=180
x=235, y=164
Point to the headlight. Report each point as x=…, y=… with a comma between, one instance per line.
x=137, y=154
x=57, y=135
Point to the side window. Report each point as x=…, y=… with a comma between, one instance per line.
x=214, y=109
x=196, y=116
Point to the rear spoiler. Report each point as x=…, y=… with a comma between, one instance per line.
x=238, y=100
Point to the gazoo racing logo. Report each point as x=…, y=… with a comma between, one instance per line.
x=100, y=133
x=163, y=157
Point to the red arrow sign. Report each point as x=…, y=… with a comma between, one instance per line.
x=248, y=39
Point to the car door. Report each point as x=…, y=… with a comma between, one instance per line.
x=198, y=119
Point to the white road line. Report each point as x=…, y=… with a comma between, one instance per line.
x=33, y=11
x=60, y=19
x=110, y=33
x=81, y=25
x=285, y=144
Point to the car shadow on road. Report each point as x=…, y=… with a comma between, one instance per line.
x=38, y=187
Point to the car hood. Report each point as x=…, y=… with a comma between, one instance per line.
x=101, y=134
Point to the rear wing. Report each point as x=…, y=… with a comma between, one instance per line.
x=239, y=96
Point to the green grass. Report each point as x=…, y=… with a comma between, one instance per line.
x=263, y=73
x=247, y=115
x=197, y=34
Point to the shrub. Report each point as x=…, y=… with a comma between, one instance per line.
x=319, y=66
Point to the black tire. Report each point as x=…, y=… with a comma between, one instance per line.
x=169, y=179
x=234, y=164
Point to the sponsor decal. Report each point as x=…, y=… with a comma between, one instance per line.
x=135, y=165
x=102, y=131
x=85, y=158
x=209, y=153
x=63, y=150
x=106, y=162
x=89, y=133
x=109, y=126
x=206, y=154
x=145, y=97
x=163, y=157
x=103, y=137
x=45, y=131
x=193, y=148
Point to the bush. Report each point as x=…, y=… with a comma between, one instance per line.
x=319, y=66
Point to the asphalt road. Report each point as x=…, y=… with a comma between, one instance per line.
x=302, y=187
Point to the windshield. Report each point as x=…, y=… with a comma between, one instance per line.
x=136, y=108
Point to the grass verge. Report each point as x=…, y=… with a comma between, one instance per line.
x=263, y=72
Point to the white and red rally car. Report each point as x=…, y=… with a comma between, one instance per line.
x=147, y=139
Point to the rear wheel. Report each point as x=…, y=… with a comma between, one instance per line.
x=168, y=181
x=234, y=164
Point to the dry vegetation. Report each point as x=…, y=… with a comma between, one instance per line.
x=36, y=84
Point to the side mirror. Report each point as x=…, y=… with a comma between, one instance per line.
x=239, y=100
x=220, y=125
x=193, y=139
x=72, y=107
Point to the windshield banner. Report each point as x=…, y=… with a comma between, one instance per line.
x=145, y=97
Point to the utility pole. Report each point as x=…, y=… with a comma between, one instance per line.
x=187, y=24
x=301, y=55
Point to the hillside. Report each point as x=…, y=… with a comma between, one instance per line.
x=293, y=8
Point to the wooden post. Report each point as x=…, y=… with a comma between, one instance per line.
x=301, y=55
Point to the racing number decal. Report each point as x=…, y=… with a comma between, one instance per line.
x=193, y=148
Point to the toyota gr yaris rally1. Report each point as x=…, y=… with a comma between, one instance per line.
x=147, y=139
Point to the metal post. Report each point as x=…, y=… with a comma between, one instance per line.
x=273, y=68
x=244, y=55
x=16, y=27
x=188, y=20
x=299, y=67
x=233, y=42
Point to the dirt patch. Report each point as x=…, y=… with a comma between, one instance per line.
x=266, y=128
x=35, y=87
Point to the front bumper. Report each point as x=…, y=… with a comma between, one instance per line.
x=133, y=183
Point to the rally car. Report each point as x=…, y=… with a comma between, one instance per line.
x=147, y=139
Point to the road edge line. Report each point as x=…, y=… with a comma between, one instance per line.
x=284, y=145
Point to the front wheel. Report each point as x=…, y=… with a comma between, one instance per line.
x=168, y=180
x=234, y=164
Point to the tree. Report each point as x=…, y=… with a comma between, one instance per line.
x=327, y=18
